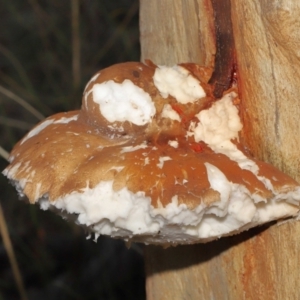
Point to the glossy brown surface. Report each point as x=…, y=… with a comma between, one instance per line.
x=67, y=157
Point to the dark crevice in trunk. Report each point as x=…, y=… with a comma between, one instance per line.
x=224, y=68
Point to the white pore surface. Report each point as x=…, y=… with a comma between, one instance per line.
x=218, y=126
x=169, y=113
x=179, y=83
x=128, y=215
x=37, y=129
x=123, y=102
x=173, y=143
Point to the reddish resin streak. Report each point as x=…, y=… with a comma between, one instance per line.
x=177, y=109
x=197, y=147
x=180, y=112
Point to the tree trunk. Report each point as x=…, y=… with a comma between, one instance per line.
x=177, y=31
x=267, y=39
x=262, y=263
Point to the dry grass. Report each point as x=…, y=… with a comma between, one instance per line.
x=11, y=255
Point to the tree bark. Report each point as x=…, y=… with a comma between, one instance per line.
x=177, y=31
x=262, y=263
x=267, y=39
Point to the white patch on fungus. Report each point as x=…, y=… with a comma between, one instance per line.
x=219, y=183
x=146, y=161
x=118, y=169
x=169, y=113
x=37, y=129
x=125, y=214
x=124, y=102
x=134, y=148
x=114, y=127
x=37, y=191
x=173, y=144
x=65, y=120
x=162, y=159
x=179, y=83
x=94, y=78
x=218, y=126
x=11, y=173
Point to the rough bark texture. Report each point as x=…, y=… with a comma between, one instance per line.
x=262, y=263
x=267, y=36
x=177, y=31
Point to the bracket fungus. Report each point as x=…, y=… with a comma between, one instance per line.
x=151, y=157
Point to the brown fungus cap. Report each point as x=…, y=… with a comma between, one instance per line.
x=151, y=157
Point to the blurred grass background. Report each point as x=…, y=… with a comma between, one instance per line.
x=49, y=49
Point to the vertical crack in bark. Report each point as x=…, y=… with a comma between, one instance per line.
x=277, y=110
x=225, y=65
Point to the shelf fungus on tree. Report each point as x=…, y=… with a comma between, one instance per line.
x=151, y=157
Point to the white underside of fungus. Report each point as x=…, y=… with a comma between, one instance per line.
x=131, y=216
x=151, y=157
